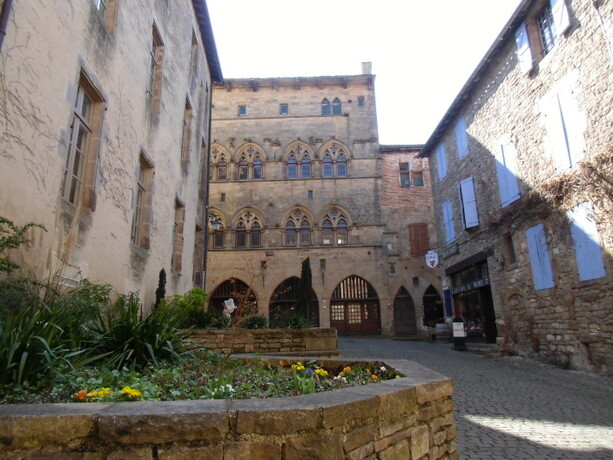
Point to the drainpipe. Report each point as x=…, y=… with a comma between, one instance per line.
x=204, y=179
x=4, y=19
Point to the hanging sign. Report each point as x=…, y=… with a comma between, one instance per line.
x=431, y=259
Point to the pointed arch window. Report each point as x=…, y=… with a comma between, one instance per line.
x=327, y=232
x=243, y=169
x=258, y=172
x=292, y=167
x=299, y=164
x=290, y=233
x=336, y=107
x=341, y=166
x=217, y=228
x=240, y=235
x=305, y=167
x=334, y=162
x=341, y=232
x=255, y=232
x=248, y=232
x=327, y=168
x=305, y=233
x=325, y=107
x=335, y=229
x=298, y=229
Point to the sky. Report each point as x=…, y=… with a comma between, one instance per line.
x=422, y=51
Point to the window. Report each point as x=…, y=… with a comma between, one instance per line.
x=222, y=197
x=461, y=137
x=255, y=233
x=290, y=234
x=327, y=167
x=418, y=178
x=305, y=167
x=334, y=160
x=101, y=5
x=419, y=239
x=539, y=257
x=361, y=101
x=107, y=10
x=198, y=269
x=155, y=71
x=216, y=226
x=469, y=203
x=219, y=163
x=448, y=222
x=392, y=269
x=322, y=264
x=248, y=232
x=142, y=204
x=565, y=125
x=240, y=234
x=508, y=249
x=506, y=169
x=298, y=229
x=341, y=166
x=405, y=178
x=193, y=64
x=243, y=169
x=334, y=228
x=310, y=194
x=258, y=172
x=299, y=163
x=177, y=250
x=84, y=141
x=187, y=132
x=222, y=170
x=416, y=281
x=305, y=233
x=292, y=168
x=538, y=35
x=588, y=252
x=441, y=161
x=325, y=107
x=336, y=107
x=242, y=110
x=283, y=109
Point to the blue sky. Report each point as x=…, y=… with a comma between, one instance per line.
x=422, y=51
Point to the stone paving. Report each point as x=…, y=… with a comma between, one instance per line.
x=511, y=408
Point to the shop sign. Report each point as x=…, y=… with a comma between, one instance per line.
x=458, y=329
x=431, y=259
x=471, y=286
x=451, y=250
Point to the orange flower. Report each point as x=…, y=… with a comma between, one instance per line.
x=81, y=394
x=281, y=363
x=374, y=377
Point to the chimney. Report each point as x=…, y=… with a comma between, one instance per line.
x=366, y=68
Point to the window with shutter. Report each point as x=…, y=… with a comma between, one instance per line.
x=539, y=257
x=441, y=161
x=469, y=203
x=506, y=168
x=524, y=52
x=418, y=239
x=588, y=252
x=561, y=18
x=461, y=137
x=448, y=222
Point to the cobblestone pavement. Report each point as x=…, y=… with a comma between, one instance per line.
x=511, y=408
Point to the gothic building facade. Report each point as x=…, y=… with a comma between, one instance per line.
x=297, y=172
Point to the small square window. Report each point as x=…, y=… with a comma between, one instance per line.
x=415, y=281
x=310, y=194
x=404, y=180
x=283, y=109
x=404, y=167
x=418, y=179
x=222, y=197
x=361, y=101
x=263, y=264
x=392, y=269
x=322, y=264
x=508, y=249
x=242, y=110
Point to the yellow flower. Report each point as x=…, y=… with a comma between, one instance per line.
x=321, y=372
x=347, y=370
x=132, y=392
x=101, y=393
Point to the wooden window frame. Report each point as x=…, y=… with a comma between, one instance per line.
x=141, y=220
x=177, y=247
x=156, y=70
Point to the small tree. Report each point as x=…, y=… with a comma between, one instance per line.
x=11, y=237
x=305, y=299
x=160, y=292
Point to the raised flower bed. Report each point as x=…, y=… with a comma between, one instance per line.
x=409, y=417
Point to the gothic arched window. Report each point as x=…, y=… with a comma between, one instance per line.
x=336, y=107
x=325, y=107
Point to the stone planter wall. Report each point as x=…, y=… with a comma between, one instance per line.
x=409, y=418
x=298, y=341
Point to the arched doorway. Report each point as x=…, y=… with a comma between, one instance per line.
x=284, y=302
x=433, y=308
x=404, y=313
x=354, y=308
x=236, y=289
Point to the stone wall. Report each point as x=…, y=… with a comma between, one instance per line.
x=295, y=341
x=409, y=417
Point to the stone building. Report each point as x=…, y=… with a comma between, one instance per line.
x=297, y=172
x=103, y=131
x=522, y=171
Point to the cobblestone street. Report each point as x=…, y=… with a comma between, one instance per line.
x=511, y=408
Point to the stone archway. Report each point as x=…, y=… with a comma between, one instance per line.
x=433, y=308
x=355, y=308
x=404, y=313
x=284, y=300
x=233, y=288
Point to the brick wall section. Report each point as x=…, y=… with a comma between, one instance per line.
x=395, y=196
x=409, y=417
x=302, y=341
x=569, y=322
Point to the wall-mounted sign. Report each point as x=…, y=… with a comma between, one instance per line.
x=431, y=259
x=470, y=286
x=451, y=250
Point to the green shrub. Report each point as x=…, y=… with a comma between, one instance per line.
x=291, y=321
x=255, y=322
x=191, y=305
x=212, y=319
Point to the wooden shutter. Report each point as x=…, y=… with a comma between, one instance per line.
x=588, y=253
x=469, y=203
x=418, y=239
x=448, y=222
x=461, y=137
x=506, y=168
x=441, y=161
x=524, y=53
x=573, y=125
x=556, y=132
x=539, y=257
x=561, y=18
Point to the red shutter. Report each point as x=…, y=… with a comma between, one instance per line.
x=418, y=239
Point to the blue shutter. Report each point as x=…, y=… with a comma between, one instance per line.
x=561, y=18
x=441, y=161
x=469, y=203
x=588, y=253
x=461, y=137
x=539, y=257
x=506, y=168
x=448, y=222
x=524, y=53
